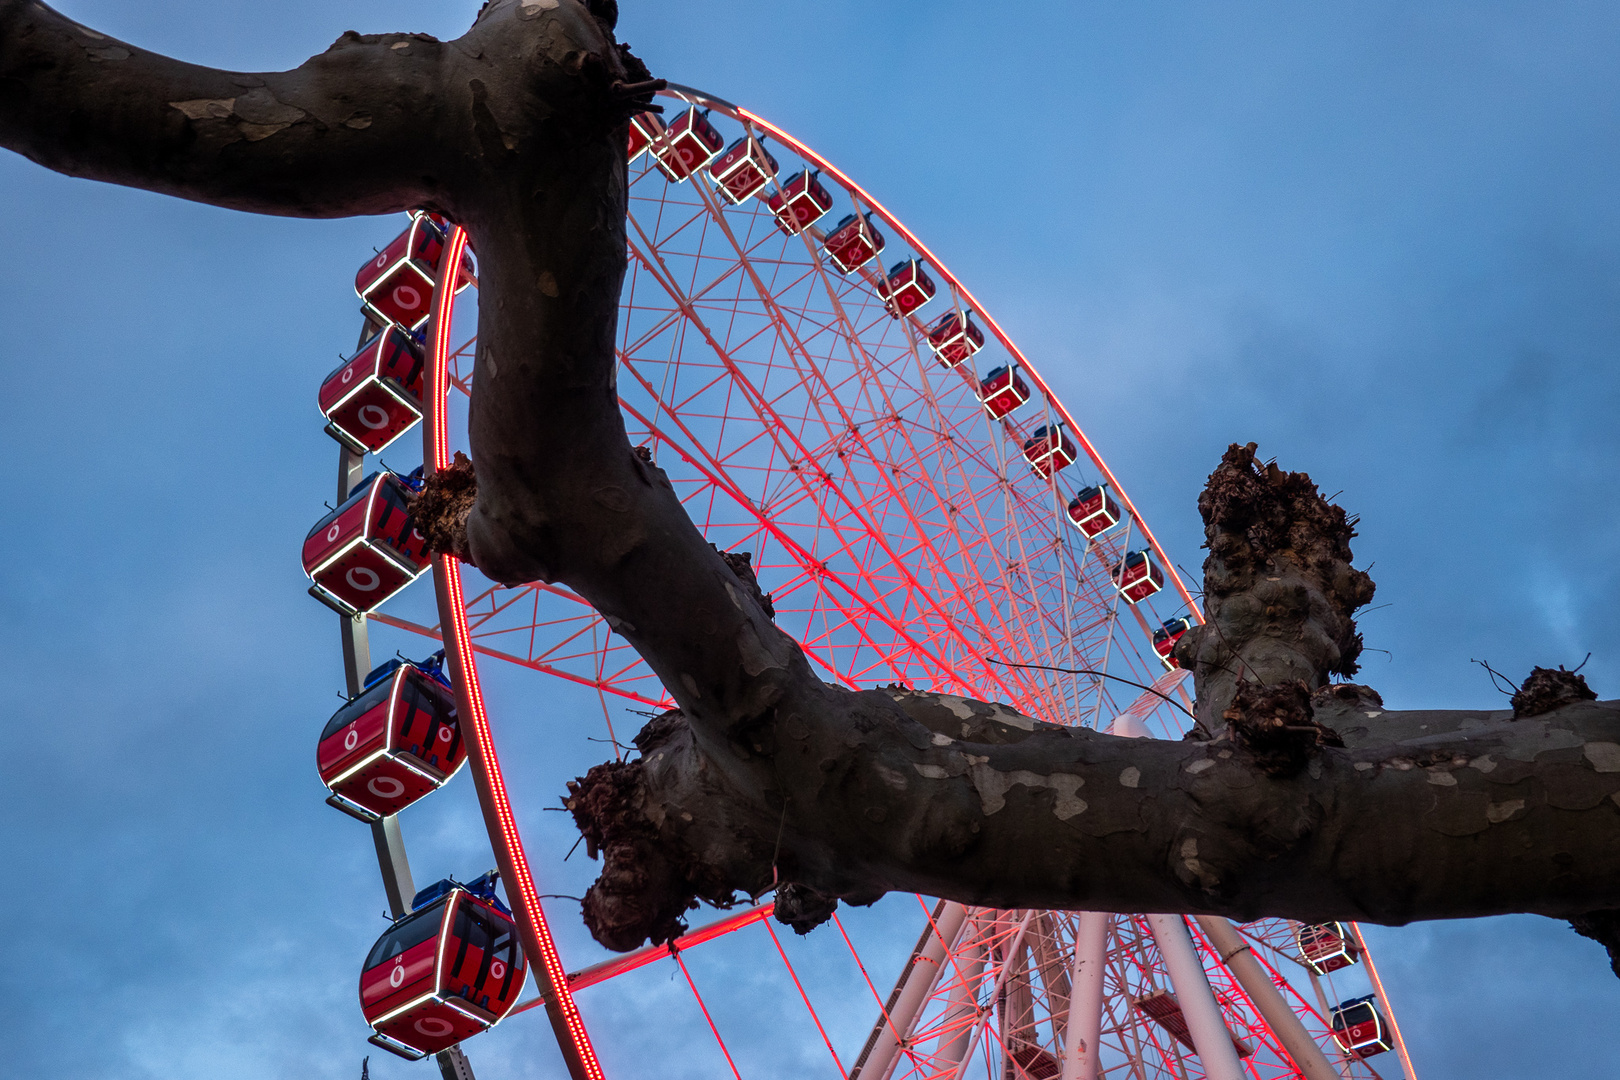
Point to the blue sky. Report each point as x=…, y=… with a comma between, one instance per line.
x=1383, y=241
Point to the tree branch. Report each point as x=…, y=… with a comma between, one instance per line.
x=765, y=776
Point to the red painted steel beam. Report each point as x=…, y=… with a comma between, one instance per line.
x=640, y=958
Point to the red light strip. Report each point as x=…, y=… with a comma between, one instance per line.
x=572, y=1038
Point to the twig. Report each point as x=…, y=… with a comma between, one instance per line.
x=1495, y=675
x=1098, y=674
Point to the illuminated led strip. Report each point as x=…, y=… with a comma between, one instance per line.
x=573, y=1040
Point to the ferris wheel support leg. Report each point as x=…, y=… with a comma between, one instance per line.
x=1210, y=1035
x=893, y=1027
x=1084, y=1026
x=1049, y=957
x=1239, y=959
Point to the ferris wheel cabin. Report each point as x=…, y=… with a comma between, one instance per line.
x=688, y=144
x=1359, y=1027
x=906, y=289
x=1326, y=947
x=645, y=129
x=1049, y=450
x=801, y=203
x=393, y=742
x=1094, y=511
x=397, y=286
x=743, y=170
x=1137, y=576
x=954, y=338
x=853, y=243
x=367, y=549
x=450, y=969
x=375, y=396
x=1002, y=391
x=1166, y=636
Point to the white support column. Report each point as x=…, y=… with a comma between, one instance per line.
x=1239, y=959
x=1054, y=974
x=1084, y=1026
x=1211, y=1038
x=894, y=1024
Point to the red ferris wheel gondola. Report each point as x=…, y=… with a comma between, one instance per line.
x=394, y=742
x=1094, y=511
x=907, y=288
x=1049, y=450
x=1359, y=1027
x=854, y=242
x=1137, y=576
x=375, y=396
x=744, y=170
x=687, y=145
x=397, y=286
x=445, y=972
x=954, y=338
x=800, y=203
x=367, y=549
x=1327, y=947
x=1001, y=391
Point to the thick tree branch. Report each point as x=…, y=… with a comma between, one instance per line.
x=377, y=123
x=1296, y=798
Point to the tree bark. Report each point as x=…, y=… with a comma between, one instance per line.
x=1295, y=797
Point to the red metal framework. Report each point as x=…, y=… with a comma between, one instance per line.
x=904, y=537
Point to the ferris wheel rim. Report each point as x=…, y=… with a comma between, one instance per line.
x=804, y=150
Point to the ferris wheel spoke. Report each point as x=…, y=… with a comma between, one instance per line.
x=754, y=398
x=773, y=420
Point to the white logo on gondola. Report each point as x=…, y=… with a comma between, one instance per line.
x=332, y=533
x=397, y=976
x=433, y=1026
x=444, y=734
x=497, y=970
x=367, y=412
x=351, y=740
x=385, y=787
x=407, y=297
x=363, y=579
x=348, y=375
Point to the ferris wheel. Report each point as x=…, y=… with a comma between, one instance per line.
x=833, y=404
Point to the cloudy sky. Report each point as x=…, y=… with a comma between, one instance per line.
x=1381, y=240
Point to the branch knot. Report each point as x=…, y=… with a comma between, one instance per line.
x=1277, y=725
x=1548, y=688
